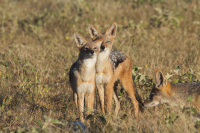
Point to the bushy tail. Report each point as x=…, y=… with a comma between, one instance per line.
x=138, y=98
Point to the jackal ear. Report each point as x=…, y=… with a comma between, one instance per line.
x=80, y=41
x=160, y=79
x=111, y=31
x=93, y=31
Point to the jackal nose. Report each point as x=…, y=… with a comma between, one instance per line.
x=92, y=52
x=102, y=47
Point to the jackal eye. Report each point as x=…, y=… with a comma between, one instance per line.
x=86, y=48
x=107, y=41
x=95, y=48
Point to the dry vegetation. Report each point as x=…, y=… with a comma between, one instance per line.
x=37, y=49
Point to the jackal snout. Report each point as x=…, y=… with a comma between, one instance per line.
x=155, y=98
x=89, y=50
x=102, y=47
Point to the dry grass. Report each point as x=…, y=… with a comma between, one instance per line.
x=37, y=49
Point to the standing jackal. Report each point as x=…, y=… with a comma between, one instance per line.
x=82, y=73
x=110, y=67
x=178, y=93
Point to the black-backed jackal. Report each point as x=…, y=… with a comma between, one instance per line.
x=176, y=94
x=82, y=73
x=110, y=67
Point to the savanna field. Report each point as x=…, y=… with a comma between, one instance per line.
x=37, y=49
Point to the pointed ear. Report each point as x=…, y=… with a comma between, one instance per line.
x=93, y=31
x=111, y=31
x=160, y=79
x=80, y=41
x=99, y=42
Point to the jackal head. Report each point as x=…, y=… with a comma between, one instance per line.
x=108, y=36
x=87, y=49
x=161, y=91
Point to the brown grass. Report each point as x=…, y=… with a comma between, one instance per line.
x=37, y=49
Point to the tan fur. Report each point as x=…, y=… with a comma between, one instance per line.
x=176, y=94
x=82, y=73
x=104, y=71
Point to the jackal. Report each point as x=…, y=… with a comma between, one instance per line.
x=176, y=94
x=82, y=73
x=110, y=67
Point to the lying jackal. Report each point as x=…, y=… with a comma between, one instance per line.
x=110, y=67
x=176, y=94
x=82, y=73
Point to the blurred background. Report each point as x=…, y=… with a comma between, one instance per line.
x=37, y=49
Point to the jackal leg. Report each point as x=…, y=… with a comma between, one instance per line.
x=89, y=100
x=92, y=100
x=126, y=81
x=100, y=89
x=117, y=103
x=109, y=95
x=109, y=90
x=75, y=99
x=81, y=105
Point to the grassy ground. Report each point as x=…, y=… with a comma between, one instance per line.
x=37, y=49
